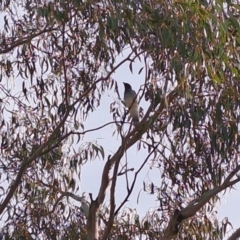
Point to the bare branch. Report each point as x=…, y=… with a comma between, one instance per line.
x=235, y=235
x=95, y=129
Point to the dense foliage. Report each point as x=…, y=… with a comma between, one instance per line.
x=57, y=59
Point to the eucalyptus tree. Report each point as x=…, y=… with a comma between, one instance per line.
x=57, y=61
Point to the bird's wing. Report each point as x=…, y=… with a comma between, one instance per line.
x=134, y=113
x=134, y=93
x=132, y=104
x=129, y=98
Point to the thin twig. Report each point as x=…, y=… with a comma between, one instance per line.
x=135, y=178
x=26, y=40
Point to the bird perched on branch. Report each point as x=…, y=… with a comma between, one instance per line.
x=130, y=99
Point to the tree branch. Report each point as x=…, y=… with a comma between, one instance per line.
x=25, y=40
x=135, y=178
x=105, y=180
x=112, y=202
x=95, y=129
x=67, y=194
x=130, y=139
x=235, y=235
x=27, y=161
x=195, y=205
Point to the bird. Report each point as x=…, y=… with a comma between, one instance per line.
x=130, y=100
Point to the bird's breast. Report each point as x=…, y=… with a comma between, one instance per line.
x=129, y=102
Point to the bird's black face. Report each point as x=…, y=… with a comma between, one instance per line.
x=127, y=86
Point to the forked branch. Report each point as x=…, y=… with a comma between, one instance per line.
x=130, y=139
x=180, y=215
x=235, y=235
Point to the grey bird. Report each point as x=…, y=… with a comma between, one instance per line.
x=130, y=99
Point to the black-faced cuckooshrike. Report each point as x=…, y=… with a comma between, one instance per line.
x=130, y=99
